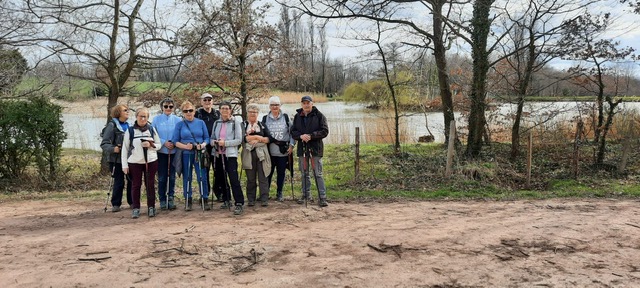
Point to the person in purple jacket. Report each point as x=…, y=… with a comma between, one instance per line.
x=191, y=136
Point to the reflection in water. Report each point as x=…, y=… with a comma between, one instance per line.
x=83, y=131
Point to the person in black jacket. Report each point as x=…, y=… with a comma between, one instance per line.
x=112, y=145
x=309, y=128
x=209, y=115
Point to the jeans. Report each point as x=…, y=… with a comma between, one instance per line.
x=165, y=174
x=316, y=165
x=188, y=161
x=118, y=185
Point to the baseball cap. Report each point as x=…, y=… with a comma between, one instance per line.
x=206, y=95
x=306, y=98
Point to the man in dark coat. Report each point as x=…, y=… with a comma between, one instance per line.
x=309, y=128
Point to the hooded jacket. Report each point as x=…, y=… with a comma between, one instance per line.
x=111, y=138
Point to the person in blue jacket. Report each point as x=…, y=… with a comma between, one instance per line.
x=191, y=136
x=165, y=124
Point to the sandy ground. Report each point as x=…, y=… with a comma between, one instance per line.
x=551, y=243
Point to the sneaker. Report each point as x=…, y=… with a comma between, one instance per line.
x=251, y=203
x=115, y=209
x=171, y=204
x=152, y=212
x=206, y=205
x=225, y=205
x=264, y=203
x=237, y=210
x=135, y=213
x=280, y=198
x=323, y=203
x=163, y=205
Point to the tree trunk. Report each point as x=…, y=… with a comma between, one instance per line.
x=477, y=120
x=602, y=144
x=439, y=52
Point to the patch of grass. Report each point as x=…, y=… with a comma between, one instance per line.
x=416, y=173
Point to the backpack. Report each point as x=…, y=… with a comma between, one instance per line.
x=286, y=119
x=131, y=132
x=233, y=129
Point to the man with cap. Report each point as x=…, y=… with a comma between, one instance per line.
x=209, y=115
x=164, y=124
x=309, y=128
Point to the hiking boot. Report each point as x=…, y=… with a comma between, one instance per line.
x=171, y=204
x=189, y=206
x=115, y=209
x=163, y=205
x=301, y=200
x=206, y=205
x=323, y=203
x=225, y=205
x=264, y=203
x=280, y=198
x=151, y=212
x=237, y=210
x=135, y=213
x=252, y=203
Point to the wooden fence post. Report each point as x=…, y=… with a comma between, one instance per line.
x=529, y=159
x=357, y=158
x=576, y=150
x=451, y=149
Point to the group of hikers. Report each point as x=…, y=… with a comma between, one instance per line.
x=205, y=139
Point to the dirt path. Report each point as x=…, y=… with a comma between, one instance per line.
x=551, y=243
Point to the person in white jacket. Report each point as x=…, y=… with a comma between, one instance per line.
x=139, y=157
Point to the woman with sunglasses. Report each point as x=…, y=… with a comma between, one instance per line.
x=209, y=115
x=165, y=124
x=191, y=136
x=112, y=145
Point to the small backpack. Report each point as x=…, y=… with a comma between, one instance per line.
x=131, y=132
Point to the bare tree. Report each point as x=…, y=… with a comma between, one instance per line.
x=114, y=38
x=530, y=45
x=243, y=53
x=583, y=43
x=433, y=34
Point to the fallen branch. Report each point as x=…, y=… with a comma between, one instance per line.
x=633, y=225
x=255, y=258
x=384, y=248
x=94, y=253
x=96, y=259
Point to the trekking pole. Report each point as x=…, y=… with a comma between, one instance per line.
x=305, y=169
x=146, y=171
x=290, y=167
x=166, y=192
x=186, y=197
x=198, y=155
x=313, y=167
x=225, y=188
x=110, y=188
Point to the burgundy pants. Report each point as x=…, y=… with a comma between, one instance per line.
x=137, y=173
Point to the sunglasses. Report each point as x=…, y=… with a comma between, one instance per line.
x=207, y=100
x=187, y=111
x=141, y=116
x=168, y=106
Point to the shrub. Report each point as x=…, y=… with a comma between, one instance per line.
x=31, y=133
